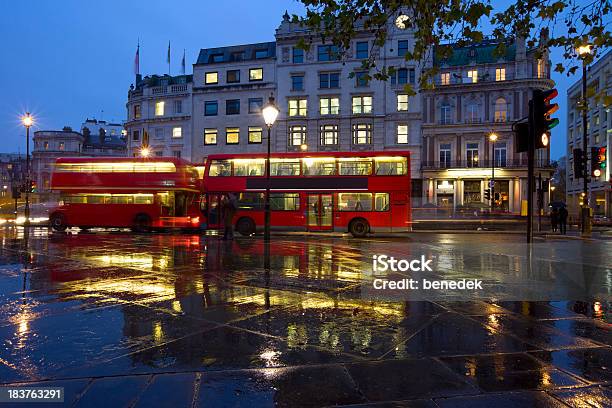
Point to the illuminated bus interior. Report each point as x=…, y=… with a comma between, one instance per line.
x=116, y=167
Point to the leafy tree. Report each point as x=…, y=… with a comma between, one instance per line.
x=567, y=23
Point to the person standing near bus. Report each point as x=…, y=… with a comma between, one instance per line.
x=229, y=207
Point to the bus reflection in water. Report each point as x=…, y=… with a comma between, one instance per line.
x=356, y=192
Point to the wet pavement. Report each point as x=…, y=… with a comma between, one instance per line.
x=174, y=320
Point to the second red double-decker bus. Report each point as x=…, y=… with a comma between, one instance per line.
x=138, y=193
x=356, y=192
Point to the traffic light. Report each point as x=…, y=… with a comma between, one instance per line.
x=487, y=194
x=542, y=109
x=598, y=161
x=32, y=186
x=579, y=167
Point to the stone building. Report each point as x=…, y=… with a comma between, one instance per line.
x=599, y=134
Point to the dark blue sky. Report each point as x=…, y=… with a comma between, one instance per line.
x=72, y=59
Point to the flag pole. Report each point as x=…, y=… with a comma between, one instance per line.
x=168, y=57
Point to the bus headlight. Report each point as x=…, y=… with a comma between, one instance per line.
x=195, y=220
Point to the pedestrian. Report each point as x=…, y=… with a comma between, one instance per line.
x=554, y=219
x=229, y=207
x=563, y=220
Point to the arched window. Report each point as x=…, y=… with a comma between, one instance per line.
x=501, y=110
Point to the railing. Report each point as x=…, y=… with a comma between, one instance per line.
x=178, y=88
x=159, y=90
x=482, y=164
x=472, y=120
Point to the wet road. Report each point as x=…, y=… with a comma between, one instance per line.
x=187, y=320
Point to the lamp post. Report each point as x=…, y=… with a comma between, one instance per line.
x=27, y=121
x=145, y=152
x=492, y=138
x=270, y=113
x=583, y=52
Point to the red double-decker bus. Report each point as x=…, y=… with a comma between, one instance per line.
x=356, y=192
x=139, y=193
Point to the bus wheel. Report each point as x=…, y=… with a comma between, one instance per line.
x=58, y=222
x=359, y=228
x=142, y=223
x=245, y=226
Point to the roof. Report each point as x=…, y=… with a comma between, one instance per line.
x=236, y=53
x=479, y=53
x=156, y=80
x=110, y=141
x=106, y=159
x=297, y=155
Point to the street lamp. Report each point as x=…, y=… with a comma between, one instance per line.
x=27, y=121
x=492, y=138
x=583, y=52
x=145, y=152
x=304, y=147
x=270, y=113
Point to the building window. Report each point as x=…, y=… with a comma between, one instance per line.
x=329, y=80
x=361, y=79
x=500, y=74
x=501, y=110
x=362, y=50
x=210, y=136
x=46, y=146
x=402, y=134
x=327, y=53
x=297, y=107
x=178, y=106
x=211, y=78
x=541, y=69
x=500, y=154
x=297, y=82
x=135, y=135
x=159, y=153
x=159, y=133
x=232, y=135
x=256, y=74
x=61, y=146
x=176, y=154
x=362, y=133
x=445, y=155
x=472, y=76
x=211, y=108
x=233, y=76
x=261, y=54
x=255, y=105
x=402, y=102
x=159, y=108
x=445, y=114
x=216, y=58
x=445, y=78
x=471, y=154
x=329, y=135
x=329, y=106
x=297, y=135
x=471, y=191
x=232, y=107
x=137, y=111
x=402, y=48
x=298, y=55
x=473, y=113
x=177, y=132
x=362, y=104
x=402, y=76
x=255, y=133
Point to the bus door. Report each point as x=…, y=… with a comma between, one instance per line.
x=319, y=215
x=213, y=213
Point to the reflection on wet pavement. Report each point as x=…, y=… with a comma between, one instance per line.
x=140, y=314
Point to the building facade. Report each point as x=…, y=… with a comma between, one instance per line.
x=12, y=176
x=102, y=138
x=478, y=93
x=599, y=134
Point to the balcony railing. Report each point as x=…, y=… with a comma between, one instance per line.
x=483, y=164
x=159, y=90
x=178, y=88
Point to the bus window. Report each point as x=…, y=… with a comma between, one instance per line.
x=220, y=168
x=285, y=201
x=284, y=167
x=249, y=167
x=391, y=166
x=143, y=198
x=355, y=202
x=381, y=202
x=355, y=167
x=121, y=199
x=319, y=167
x=251, y=201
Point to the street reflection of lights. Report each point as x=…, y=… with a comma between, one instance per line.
x=137, y=260
x=176, y=306
x=270, y=357
x=597, y=310
x=493, y=322
x=158, y=332
x=297, y=336
x=546, y=379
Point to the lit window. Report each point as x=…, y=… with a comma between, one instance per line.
x=329, y=135
x=473, y=75
x=249, y=167
x=355, y=167
x=211, y=78
x=355, y=202
x=285, y=167
x=177, y=132
x=256, y=74
x=392, y=166
x=362, y=104
x=319, y=166
x=402, y=134
x=220, y=168
x=297, y=135
x=445, y=78
x=284, y=201
x=362, y=133
x=232, y=135
x=500, y=74
x=297, y=107
x=329, y=106
x=159, y=108
x=501, y=110
x=210, y=136
x=255, y=134
x=402, y=102
x=46, y=146
x=541, y=69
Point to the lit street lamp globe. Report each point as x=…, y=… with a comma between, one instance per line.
x=270, y=112
x=145, y=152
x=493, y=137
x=27, y=120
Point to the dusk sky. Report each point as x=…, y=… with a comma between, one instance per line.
x=69, y=60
